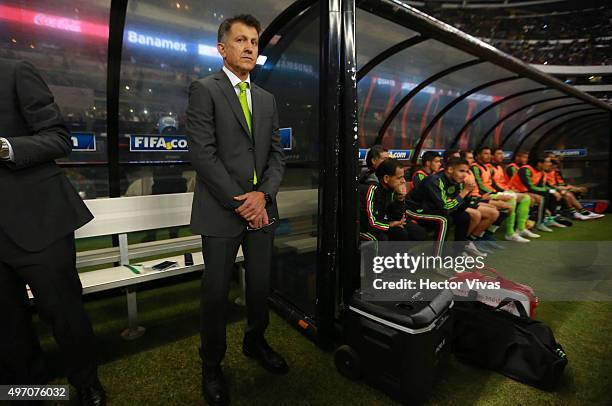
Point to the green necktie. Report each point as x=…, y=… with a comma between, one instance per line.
x=247, y=114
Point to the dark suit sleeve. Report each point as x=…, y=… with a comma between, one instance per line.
x=275, y=168
x=50, y=138
x=203, y=148
x=440, y=200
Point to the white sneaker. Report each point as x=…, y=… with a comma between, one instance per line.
x=516, y=238
x=542, y=227
x=579, y=216
x=553, y=223
x=595, y=215
x=528, y=234
x=471, y=249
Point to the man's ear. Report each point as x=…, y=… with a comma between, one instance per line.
x=221, y=49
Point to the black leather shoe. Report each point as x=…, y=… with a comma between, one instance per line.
x=214, y=387
x=93, y=395
x=267, y=357
x=564, y=220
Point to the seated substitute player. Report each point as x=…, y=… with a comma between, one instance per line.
x=431, y=162
x=487, y=177
x=440, y=201
x=490, y=216
x=520, y=158
x=374, y=157
x=530, y=179
x=448, y=154
x=572, y=205
x=375, y=202
x=397, y=211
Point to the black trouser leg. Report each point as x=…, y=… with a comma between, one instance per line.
x=20, y=354
x=219, y=258
x=461, y=220
x=414, y=231
x=398, y=234
x=257, y=250
x=437, y=222
x=54, y=281
x=551, y=204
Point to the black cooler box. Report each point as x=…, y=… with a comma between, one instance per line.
x=398, y=347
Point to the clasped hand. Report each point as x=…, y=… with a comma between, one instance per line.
x=253, y=209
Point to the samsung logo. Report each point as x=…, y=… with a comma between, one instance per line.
x=157, y=42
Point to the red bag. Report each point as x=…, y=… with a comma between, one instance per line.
x=492, y=297
x=597, y=206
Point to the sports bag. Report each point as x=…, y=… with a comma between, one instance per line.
x=515, y=346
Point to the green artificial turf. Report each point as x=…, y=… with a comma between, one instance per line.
x=163, y=368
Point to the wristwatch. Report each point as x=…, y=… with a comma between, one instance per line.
x=4, y=150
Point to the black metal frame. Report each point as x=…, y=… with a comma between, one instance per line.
x=330, y=115
x=387, y=53
x=490, y=107
x=561, y=124
x=516, y=111
x=583, y=129
x=610, y=166
x=587, y=127
x=281, y=20
x=349, y=143
x=573, y=124
x=569, y=118
x=400, y=105
x=548, y=121
x=452, y=104
x=113, y=82
x=528, y=119
x=292, y=23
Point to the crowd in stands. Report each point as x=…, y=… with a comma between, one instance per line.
x=584, y=51
x=472, y=191
x=572, y=37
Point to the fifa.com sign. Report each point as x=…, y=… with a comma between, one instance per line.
x=157, y=143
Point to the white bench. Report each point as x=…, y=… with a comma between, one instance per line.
x=120, y=216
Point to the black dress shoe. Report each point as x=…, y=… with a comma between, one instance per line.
x=93, y=395
x=214, y=387
x=267, y=357
x=564, y=220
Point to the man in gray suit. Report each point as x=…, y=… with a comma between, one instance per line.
x=234, y=142
x=39, y=211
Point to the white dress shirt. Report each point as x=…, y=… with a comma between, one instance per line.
x=235, y=80
x=11, y=156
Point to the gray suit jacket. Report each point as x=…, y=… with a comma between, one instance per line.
x=38, y=204
x=224, y=154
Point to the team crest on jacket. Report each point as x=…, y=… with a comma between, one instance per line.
x=451, y=189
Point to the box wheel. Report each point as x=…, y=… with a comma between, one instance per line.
x=347, y=362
